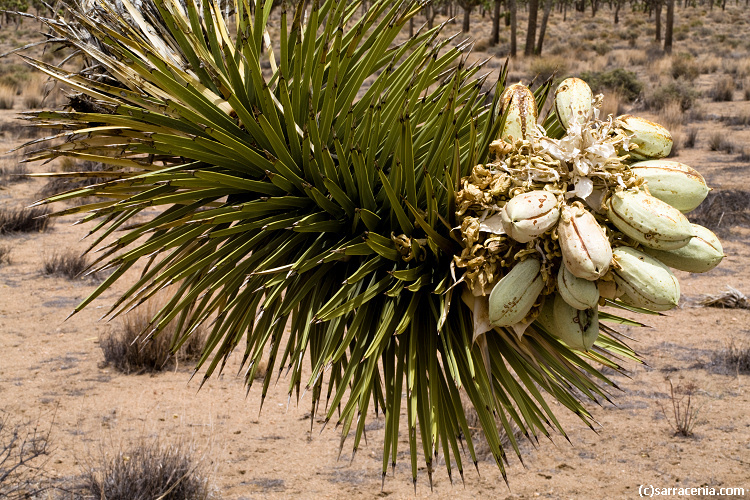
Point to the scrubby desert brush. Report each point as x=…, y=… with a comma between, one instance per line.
x=67, y=263
x=24, y=220
x=149, y=469
x=7, y=97
x=131, y=347
x=308, y=217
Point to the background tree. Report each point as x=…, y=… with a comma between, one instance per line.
x=543, y=27
x=669, y=27
x=531, y=29
x=495, y=34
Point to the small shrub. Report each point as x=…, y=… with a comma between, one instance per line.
x=719, y=142
x=4, y=254
x=624, y=82
x=68, y=264
x=544, y=67
x=683, y=66
x=57, y=185
x=732, y=359
x=11, y=170
x=23, y=456
x=743, y=156
x=672, y=116
x=723, y=90
x=7, y=97
x=673, y=92
x=150, y=470
x=130, y=349
x=690, y=136
x=684, y=413
x=24, y=220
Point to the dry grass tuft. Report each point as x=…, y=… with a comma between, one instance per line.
x=12, y=170
x=5, y=254
x=150, y=470
x=732, y=359
x=24, y=220
x=7, y=97
x=723, y=90
x=672, y=116
x=130, y=348
x=718, y=142
x=68, y=264
x=691, y=135
x=57, y=185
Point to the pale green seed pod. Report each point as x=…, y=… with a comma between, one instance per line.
x=573, y=101
x=585, y=247
x=578, y=328
x=653, y=140
x=673, y=183
x=528, y=215
x=647, y=282
x=701, y=254
x=522, y=113
x=514, y=295
x=649, y=220
x=577, y=292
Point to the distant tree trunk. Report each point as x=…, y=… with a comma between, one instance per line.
x=594, y=7
x=531, y=31
x=618, y=6
x=543, y=27
x=565, y=11
x=467, y=17
x=513, y=28
x=657, y=15
x=495, y=36
x=411, y=27
x=428, y=14
x=669, y=28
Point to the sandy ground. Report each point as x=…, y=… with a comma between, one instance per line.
x=51, y=372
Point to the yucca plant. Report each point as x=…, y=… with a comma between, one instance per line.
x=308, y=217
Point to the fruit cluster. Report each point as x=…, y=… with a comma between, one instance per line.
x=553, y=228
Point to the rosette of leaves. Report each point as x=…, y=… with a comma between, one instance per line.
x=305, y=215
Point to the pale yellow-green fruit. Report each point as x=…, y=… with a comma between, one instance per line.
x=577, y=292
x=701, y=254
x=649, y=220
x=522, y=113
x=585, y=248
x=578, y=328
x=573, y=101
x=673, y=183
x=528, y=215
x=653, y=140
x=645, y=280
x=514, y=295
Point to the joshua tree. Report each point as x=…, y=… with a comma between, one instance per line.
x=306, y=216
